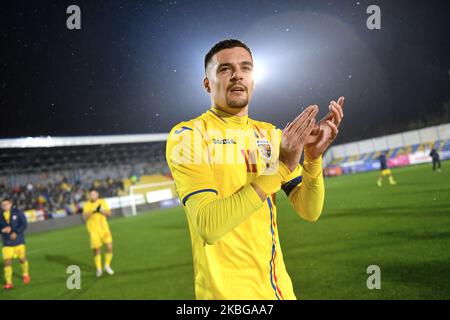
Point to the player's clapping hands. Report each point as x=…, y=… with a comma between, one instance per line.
x=325, y=131
x=295, y=136
x=304, y=134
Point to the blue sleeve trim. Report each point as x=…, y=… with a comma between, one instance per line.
x=182, y=129
x=195, y=192
x=290, y=185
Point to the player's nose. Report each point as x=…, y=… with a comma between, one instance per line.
x=237, y=75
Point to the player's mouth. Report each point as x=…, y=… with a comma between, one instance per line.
x=237, y=89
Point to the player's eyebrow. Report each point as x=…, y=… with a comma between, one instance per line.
x=227, y=64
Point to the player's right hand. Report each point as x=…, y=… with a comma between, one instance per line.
x=6, y=229
x=295, y=135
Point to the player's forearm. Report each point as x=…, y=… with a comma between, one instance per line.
x=215, y=217
x=308, y=198
x=265, y=185
x=87, y=215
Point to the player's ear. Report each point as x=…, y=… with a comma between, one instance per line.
x=206, y=85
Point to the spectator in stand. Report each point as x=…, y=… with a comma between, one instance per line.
x=50, y=196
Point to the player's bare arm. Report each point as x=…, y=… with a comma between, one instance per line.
x=106, y=213
x=87, y=215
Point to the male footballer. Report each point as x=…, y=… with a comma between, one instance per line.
x=12, y=226
x=227, y=168
x=384, y=170
x=95, y=211
x=434, y=154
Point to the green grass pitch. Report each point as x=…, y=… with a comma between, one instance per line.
x=404, y=229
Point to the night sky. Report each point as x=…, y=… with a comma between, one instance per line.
x=137, y=66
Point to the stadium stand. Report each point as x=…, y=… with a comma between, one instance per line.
x=347, y=158
x=55, y=180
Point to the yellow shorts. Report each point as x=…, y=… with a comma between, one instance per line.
x=14, y=252
x=100, y=237
x=386, y=172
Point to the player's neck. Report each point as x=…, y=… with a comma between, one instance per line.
x=239, y=112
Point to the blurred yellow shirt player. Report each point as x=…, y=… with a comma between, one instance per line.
x=95, y=211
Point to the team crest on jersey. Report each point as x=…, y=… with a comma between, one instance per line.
x=265, y=148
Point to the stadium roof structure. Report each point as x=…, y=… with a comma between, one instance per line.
x=73, y=157
x=48, y=142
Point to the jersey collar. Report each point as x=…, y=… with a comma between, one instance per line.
x=230, y=119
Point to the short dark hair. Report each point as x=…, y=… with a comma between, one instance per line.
x=225, y=44
x=7, y=199
x=92, y=189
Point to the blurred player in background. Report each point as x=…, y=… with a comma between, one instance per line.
x=231, y=206
x=434, y=154
x=384, y=170
x=95, y=211
x=12, y=225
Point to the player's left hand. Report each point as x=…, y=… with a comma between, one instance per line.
x=13, y=236
x=325, y=130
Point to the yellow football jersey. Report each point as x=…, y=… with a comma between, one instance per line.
x=7, y=216
x=97, y=221
x=236, y=255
